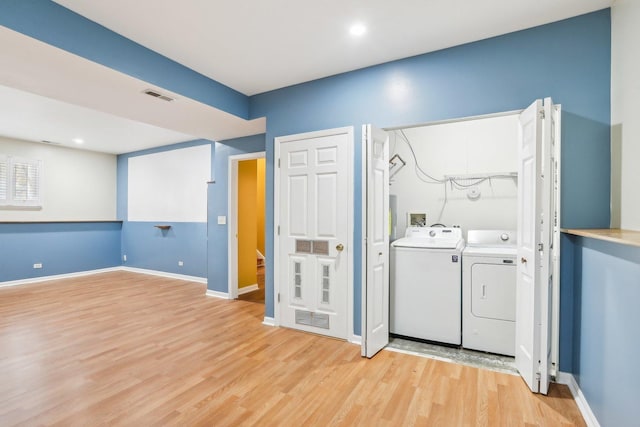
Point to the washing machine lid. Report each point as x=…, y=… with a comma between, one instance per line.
x=430, y=238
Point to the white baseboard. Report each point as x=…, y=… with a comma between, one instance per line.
x=165, y=274
x=246, y=289
x=103, y=270
x=355, y=339
x=269, y=321
x=570, y=381
x=57, y=277
x=217, y=294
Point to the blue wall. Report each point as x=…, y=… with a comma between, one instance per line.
x=150, y=248
x=605, y=319
x=53, y=24
x=153, y=249
x=218, y=278
x=567, y=60
x=61, y=247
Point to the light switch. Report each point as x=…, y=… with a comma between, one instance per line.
x=222, y=220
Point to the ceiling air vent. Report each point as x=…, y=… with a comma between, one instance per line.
x=44, y=141
x=158, y=95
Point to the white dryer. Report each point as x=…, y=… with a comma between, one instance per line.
x=425, y=297
x=489, y=291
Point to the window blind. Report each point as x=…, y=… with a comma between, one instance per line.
x=4, y=179
x=26, y=181
x=20, y=182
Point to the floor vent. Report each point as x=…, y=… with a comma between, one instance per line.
x=309, y=318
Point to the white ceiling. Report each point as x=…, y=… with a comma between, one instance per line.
x=257, y=46
x=89, y=93
x=30, y=117
x=252, y=48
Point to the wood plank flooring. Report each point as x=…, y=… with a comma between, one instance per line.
x=134, y=350
x=258, y=294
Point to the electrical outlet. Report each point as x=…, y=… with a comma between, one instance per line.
x=180, y=263
x=37, y=265
x=124, y=258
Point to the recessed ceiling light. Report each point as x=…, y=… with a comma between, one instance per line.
x=78, y=140
x=357, y=29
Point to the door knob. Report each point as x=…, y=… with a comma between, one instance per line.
x=523, y=260
x=340, y=247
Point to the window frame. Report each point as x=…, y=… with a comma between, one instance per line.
x=10, y=201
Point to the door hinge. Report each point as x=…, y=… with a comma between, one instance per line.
x=541, y=113
x=540, y=247
x=278, y=230
x=278, y=162
x=278, y=296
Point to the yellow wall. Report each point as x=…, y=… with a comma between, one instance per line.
x=260, y=203
x=247, y=223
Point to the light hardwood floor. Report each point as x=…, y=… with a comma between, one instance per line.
x=127, y=349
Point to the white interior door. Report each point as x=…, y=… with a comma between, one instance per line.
x=547, y=241
x=375, y=291
x=313, y=235
x=535, y=212
x=555, y=297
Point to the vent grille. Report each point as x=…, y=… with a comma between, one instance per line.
x=44, y=141
x=158, y=95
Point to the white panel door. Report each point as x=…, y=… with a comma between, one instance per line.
x=314, y=222
x=546, y=244
x=529, y=191
x=375, y=292
x=534, y=220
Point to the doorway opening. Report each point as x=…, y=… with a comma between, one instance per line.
x=247, y=261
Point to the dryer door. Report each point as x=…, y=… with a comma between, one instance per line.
x=493, y=291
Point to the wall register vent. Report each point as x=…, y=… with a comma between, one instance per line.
x=158, y=95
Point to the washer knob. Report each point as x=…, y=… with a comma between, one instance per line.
x=432, y=233
x=504, y=237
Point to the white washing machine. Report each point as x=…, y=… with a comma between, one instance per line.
x=489, y=291
x=425, y=286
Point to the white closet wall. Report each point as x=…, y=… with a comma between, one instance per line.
x=470, y=147
x=625, y=110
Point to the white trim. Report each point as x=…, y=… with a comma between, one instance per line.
x=232, y=219
x=276, y=227
x=166, y=274
x=269, y=321
x=57, y=277
x=350, y=225
x=217, y=294
x=570, y=381
x=455, y=120
x=355, y=339
x=363, y=231
x=349, y=130
x=555, y=299
x=246, y=289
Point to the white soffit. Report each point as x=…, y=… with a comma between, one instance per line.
x=30, y=117
x=35, y=67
